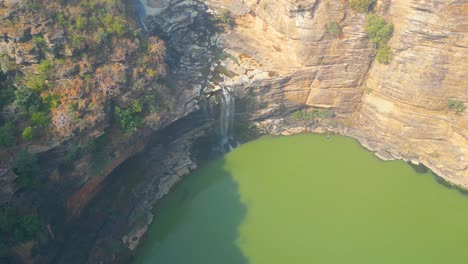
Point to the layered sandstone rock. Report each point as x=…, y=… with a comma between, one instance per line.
x=406, y=113
x=281, y=53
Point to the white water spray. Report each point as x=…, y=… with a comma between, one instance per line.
x=227, y=120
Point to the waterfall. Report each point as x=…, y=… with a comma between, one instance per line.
x=226, y=121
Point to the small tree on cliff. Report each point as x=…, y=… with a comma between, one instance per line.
x=362, y=6
x=26, y=166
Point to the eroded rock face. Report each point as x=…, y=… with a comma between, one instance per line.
x=191, y=40
x=406, y=112
x=302, y=63
x=281, y=53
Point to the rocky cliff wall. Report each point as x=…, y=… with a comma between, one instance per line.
x=281, y=53
x=406, y=112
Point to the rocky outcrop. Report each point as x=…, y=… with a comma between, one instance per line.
x=280, y=56
x=406, y=112
x=281, y=53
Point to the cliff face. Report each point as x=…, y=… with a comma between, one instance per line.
x=406, y=113
x=82, y=90
x=282, y=53
x=287, y=58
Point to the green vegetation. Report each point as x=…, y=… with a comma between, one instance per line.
x=40, y=119
x=16, y=228
x=38, y=82
x=305, y=115
x=226, y=17
x=362, y=6
x=26, y=166
x=28, y=133
x=39, y=42
x=384, y=54
x=456, y=105
x=35, y=82
x=7, y=96
x=25, y=98
x=5, y=63
x=32, y=5
x=380, y=32
x=128, y=118
x=7, y=135
x=51, y=101
x=114, y=24
x=99, y=157
x=333, y=29
x=81, y=23
x=89, y=27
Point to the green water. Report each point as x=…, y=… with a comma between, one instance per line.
x=308, y=199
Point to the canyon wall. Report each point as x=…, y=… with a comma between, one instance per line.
x=281, y=53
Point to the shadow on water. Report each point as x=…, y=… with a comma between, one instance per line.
x=198, y=222
x=421, y=169
x=97, y=232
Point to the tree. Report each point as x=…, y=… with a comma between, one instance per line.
x=7, y=137
x=378, y=30
x=25, y=98
x=18, y=228
x=7, y=95
x=26, y=166
x=28, y=133
x=40, y=118
x=226, y=17
x=128, y=118
x=362, y=6
x=384, y=54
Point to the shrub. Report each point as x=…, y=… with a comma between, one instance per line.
x=226, y=17
x=46, y=69
x=362, y=6
x=32, y=5
x=98, y=150
x=26, y=166
x=7, y=136
x=77, y=41
x=456, y=105
x=18, y=228
x=128, y=119
x=7, y=219
x=333, y=29
x=51, y=101
x=28, y=133
x=27, y=228
x=384, y=54
x=25, y=98
x=39, y=42
x=7, y=96
x=36, y=83
x=62, y=20
x=136, y=106
x=304, y=115
x=6, y=65
x=114, y=24
x=378, y=30
x=40, y=118
x=73, y=107
x=81, y=23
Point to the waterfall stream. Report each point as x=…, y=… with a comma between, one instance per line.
x=227, y=121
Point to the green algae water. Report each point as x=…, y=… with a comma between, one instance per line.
x=308, y=199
